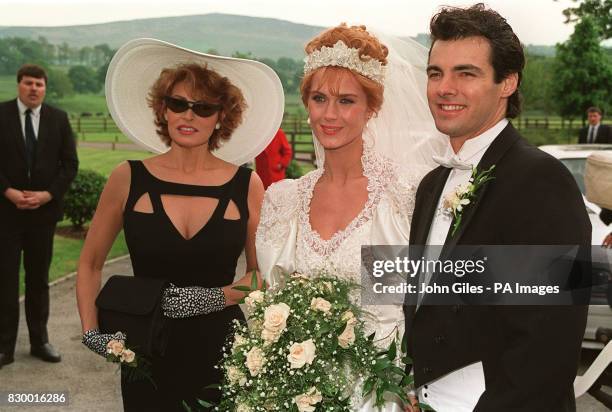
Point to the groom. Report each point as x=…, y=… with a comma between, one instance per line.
x=492, y=358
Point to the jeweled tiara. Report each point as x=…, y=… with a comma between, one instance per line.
x=343, y=56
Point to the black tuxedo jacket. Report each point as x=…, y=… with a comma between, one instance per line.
x=604, y=134
x=530, y=354
x=56, y=162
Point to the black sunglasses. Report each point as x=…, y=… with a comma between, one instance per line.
x=200, y=108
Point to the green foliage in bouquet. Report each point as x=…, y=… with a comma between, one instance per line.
x=305, y=348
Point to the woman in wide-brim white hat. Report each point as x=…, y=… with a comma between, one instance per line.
x=188, y=212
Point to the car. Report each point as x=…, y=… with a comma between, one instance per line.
x=599, y=322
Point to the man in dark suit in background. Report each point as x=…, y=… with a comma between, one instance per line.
x=595, y=132
x=38, y=161
x=490, y=358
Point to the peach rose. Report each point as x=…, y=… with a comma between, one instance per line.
x=306, y=402
x=257, y=296
x=275, y=317
x=255, y=361
x=236, y=376
x=301, y=354
x=320, y=304
x=128, y=356
x=115, y=347
x=347, y=337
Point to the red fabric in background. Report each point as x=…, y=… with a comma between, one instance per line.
x=274, y=160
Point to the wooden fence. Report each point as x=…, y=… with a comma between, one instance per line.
x=103, y=129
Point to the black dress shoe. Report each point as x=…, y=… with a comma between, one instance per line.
x=5, y=359
x=46, y=353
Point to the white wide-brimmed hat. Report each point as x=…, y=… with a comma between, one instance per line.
x=138, y=64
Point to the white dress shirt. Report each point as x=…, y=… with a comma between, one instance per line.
x=35, y=116
x=592, y=129
x=459, y=390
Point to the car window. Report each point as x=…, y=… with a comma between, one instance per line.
x=576, y=168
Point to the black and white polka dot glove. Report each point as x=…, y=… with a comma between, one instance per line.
x=191, y=301
x=96, y=341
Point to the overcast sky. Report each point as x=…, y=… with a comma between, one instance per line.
x=535, y=21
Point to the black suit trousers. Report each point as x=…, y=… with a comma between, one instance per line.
x=35, y=240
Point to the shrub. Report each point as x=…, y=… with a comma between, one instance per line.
x=294, y=170
x=82, y=197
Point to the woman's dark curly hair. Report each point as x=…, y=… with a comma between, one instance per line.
x=206, y=85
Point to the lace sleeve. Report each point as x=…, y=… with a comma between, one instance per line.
x=275, y=237
x=402, y=190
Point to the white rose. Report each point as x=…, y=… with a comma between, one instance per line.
x=301, y=354
x=275, y=317
x=115, y=347
x=320, y=304
x=269, y=336
x=257, y=296
x=347, y=337
x=243, y=408
x=238, y=340
x=255, y=360
x=127, y=356
x=235, y=376
x=306, y=402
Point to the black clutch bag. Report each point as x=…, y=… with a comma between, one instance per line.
x=132, y=305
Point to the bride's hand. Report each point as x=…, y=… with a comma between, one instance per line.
x=413, y=406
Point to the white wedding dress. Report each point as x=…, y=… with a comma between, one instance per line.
x=286, y=242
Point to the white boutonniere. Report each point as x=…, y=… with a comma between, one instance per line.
x=454, y=203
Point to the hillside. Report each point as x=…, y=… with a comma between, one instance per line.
x=227, y=33
x=263, y=37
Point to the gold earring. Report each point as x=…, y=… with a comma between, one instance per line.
x=308, y=120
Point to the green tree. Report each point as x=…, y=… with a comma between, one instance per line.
x=102, y=54
x=536, y=86
x=582, y=72
x=600, y=11
x=58, y=85
x=84, y=79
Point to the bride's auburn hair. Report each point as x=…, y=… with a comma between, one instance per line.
x=356, y=37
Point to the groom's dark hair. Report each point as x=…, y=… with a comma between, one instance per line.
x=507, y=56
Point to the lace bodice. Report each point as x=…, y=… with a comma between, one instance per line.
x=339, y=254
x=286, y=241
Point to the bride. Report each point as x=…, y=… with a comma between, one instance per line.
x=358, y=195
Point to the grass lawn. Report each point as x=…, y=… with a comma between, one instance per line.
x=8, y=87
x=104, y=160
x=79, y=103
x=117, y=137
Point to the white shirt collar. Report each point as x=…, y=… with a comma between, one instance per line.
x=22, y=108
x=474, y=148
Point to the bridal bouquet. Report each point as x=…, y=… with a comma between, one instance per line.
x=304, y=349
